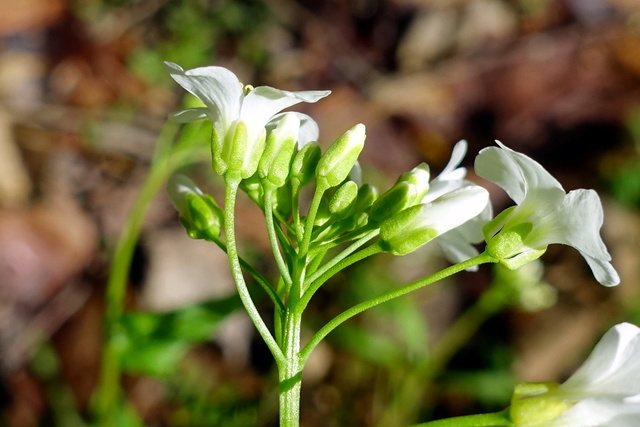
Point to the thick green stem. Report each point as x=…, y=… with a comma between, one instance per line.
x=496, y=419
x=365, y=305
x=231, y=183
x=290, y=372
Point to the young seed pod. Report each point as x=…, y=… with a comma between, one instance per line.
x=334, y=166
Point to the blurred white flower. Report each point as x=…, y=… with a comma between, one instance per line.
x=603, y=392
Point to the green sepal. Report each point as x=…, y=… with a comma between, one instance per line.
x=219, y=165
x=394, y=200
x=509, y=248
x=534, y=404
x=240, y=154
x=404, y=232
x=275, y=162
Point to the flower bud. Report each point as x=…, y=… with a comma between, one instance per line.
x=397, y=198
x=334, y=166
x=411, y=228
x=419, y=177
x=344, y=199
x=304, y=163
x=275, y=162
x=198, y=212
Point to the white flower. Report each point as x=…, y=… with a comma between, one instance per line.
x=457, y=244
x=239, y=114
x=544, y=214
x=603, y=392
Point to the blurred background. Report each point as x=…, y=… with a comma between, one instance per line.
x=84, y=95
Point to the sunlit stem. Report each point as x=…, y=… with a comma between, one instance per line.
x=339, y=266
x=365, y=305
x=231, y=191
x=290, y=372
x=273, y=238
x=345, y=253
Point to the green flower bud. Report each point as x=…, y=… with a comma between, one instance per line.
x=419, y=177
x=394, y=200
x=239, y=154
x=275, y=163
x=533, y=404
x=334, y=166
x=405, y=232
x=283, y=201
x=206, y=218
x=344, y=199
x=199, y=213
x=305, y=163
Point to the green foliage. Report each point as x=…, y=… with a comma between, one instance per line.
x=154, y=343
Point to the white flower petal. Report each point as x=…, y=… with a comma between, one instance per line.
x=455, y=208
x=613, y=368
x=599, y=413
x=188, y=115
x=518, y=174
x=218, y=88
x=457, y=244
x=264, y=102
x=457, y=155
x=602, y=270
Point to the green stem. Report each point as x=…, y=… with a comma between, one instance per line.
x=290, y=373
x=273, y=238
x=231, y=191
x=455, y=337
x=348, y=251
x=495, y=419
x=365, y=305
x=108, y=391
x=341, y=265
x=264, y=284
x=489, y=303
x=310, y=220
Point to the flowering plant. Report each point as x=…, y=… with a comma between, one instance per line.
x=272, y=156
